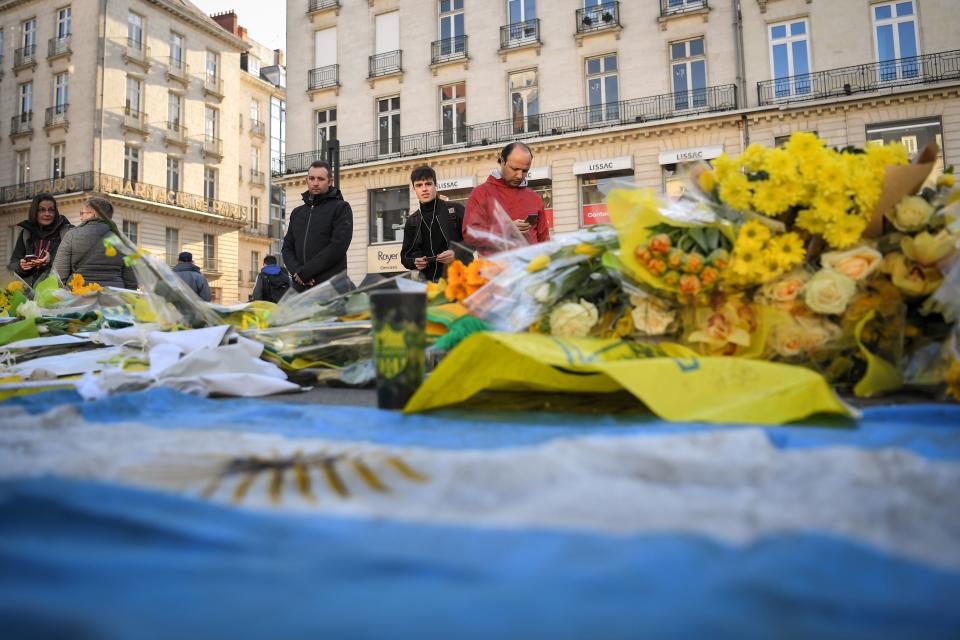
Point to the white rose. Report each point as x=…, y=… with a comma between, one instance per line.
x=856, y=263
x=829, y=292
x=29, y=310
x=573, y=319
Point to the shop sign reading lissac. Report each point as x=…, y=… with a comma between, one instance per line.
x=384, y=258
x=623, y=163
x=694, y=154
x=453, y=184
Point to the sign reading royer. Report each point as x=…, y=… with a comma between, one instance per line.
x=622, y=163
x=384, y=258
x=691, y=155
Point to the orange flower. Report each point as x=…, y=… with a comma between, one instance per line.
x=675, y=260
x=694, y=263
x=474, y=278
x=642, y=253
x=690, y=284
x=660, y=244
x=657, y=266
x=709, y=276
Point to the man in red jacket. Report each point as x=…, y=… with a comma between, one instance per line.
x=486, y=225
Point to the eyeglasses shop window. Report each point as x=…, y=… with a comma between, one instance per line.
x=388, y=209
x=593, y=195
x=914, y=135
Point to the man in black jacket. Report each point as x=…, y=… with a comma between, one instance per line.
x=431, y=228
x=319, y=232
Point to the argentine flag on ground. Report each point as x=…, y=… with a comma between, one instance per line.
x=161, y=515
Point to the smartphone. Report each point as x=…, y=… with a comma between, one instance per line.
x=29, y=256
x=532, y=218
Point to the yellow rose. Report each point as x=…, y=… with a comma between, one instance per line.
x=856, y=263
x=911, y=214
x=913, y=280
x=723, y=329
x=586, y=249
x=928, y=250
x=946, y=180
x=573, y=319
x=829, y=292
x=650, y=316
x=785, y=289
x=538, y=263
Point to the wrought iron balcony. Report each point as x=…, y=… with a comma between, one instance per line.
x=449, y=49
x=256, y=229
x=257, y=178
x=134, y=120
x=56, y=116
x=24, y=57
x=213, y=147
x=21, y=124
x=679, y=7
x=258, y=128
x=862, y=78
x=314, y=6
x=213, y=85
x=57, y=47
x=386, y=64
x=137, y=52
x=325, y=77
x=598, y=17
x=519, y=34
x=178, y=69
x=210, y=264
x=623, y=113
x=175, y=133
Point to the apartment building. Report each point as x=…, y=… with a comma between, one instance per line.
x=602, y=91
x=261, y=88
x=137, y=100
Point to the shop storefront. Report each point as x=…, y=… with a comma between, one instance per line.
x=595, y=179
x=388, y=210
x=676, y=165
x=456, y=189
x=540, y=179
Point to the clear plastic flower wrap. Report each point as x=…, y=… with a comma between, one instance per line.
x=316, y=344
x=525, y=283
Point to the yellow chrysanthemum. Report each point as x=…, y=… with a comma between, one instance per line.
x=735, y=191
x=768, y=199
x=803, y=144
x=845, y=231
x=753, y=233
x=754, y=158
x=724, y=167
x=788, y=249
x=707, y=181
x=14, y=286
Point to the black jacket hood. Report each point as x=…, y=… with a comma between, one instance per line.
x=333, y=193
x=42, y=232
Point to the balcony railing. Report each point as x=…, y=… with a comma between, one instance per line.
x=321, y=5
x=213, y=146
x=213, y=85
x=24, y=57
x=138, y=52
x=678, y=7
x=449, y=49
x=598, y=17
x=210, y=264
x=58, y=47
x=21, y=124
x=257, y=178
x=384, y=64
x=626, y=112
x=329, y=76
x=519, y=34
x=134, y=120
x=258, y=128
x=256, y=229
x=178, y=69
x=56, y=116
x=863, y=78
x=91, y=181
x=175, y=133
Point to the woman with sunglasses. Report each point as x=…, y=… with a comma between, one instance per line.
x=39, y=239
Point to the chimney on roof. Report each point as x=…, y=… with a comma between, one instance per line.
x=227, y=20
x=242, y=33
x=278, y=57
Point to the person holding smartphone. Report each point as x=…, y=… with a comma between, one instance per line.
x=39, y=239
x=505, y=192
x=430, y=230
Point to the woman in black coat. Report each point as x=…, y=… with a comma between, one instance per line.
x=39, y=239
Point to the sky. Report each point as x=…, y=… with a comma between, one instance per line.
x=265, y=21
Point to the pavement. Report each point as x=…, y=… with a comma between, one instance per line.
x=330, y=396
